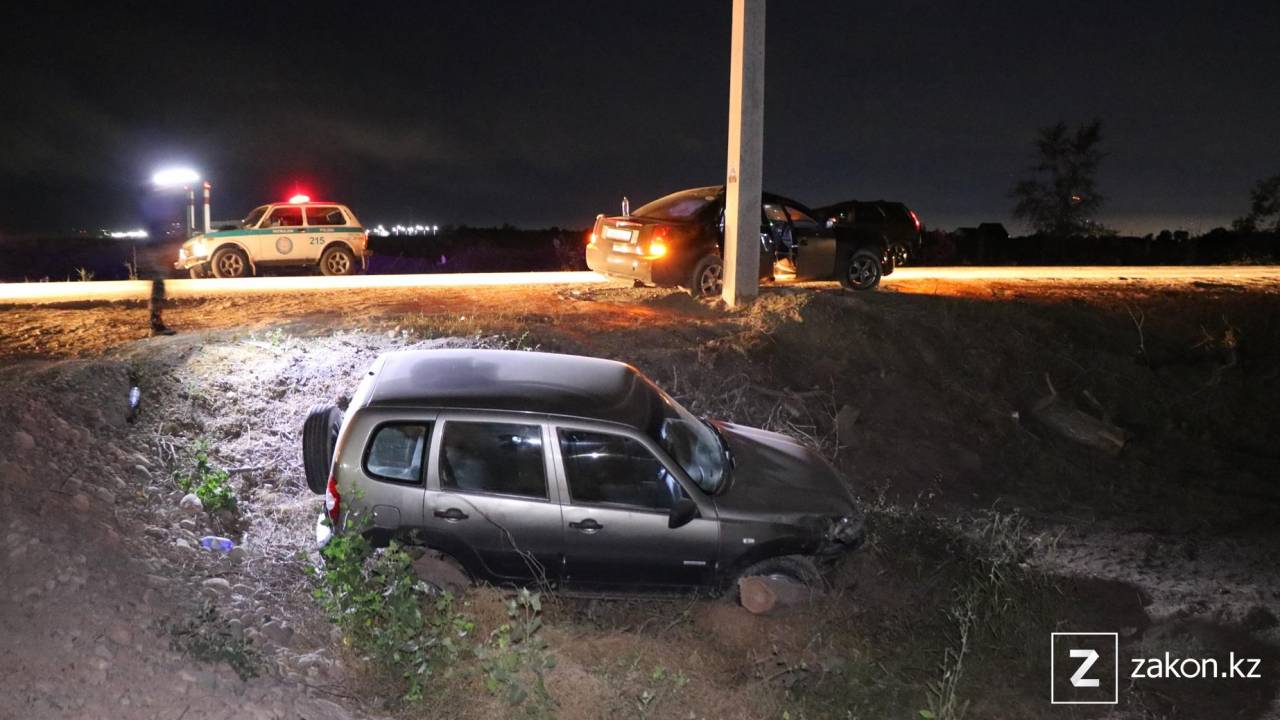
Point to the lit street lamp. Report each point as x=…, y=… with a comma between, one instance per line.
x=185, y=178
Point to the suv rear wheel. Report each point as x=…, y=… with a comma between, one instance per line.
x=707, y=278
x=319, y=438
x=337, y=260
x=863, y=272
x=229, y=262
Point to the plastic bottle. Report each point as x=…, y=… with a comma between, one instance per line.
x=213, y=542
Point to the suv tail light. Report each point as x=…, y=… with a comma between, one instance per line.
x=915, y=219
x=332, y=500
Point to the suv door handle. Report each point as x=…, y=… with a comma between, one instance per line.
x=587, y=526
x=452, y=514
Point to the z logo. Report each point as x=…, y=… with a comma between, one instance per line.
x=1077, y=678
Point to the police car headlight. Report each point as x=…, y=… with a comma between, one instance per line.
x=197, y=248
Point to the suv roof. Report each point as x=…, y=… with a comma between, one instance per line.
x=514, y=380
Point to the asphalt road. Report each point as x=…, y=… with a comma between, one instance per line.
x=56, y=292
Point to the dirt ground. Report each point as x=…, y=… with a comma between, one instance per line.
x=949, y=406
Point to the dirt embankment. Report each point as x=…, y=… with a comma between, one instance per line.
x=928, y=404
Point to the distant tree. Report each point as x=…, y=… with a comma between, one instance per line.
x=1264, y=208
x=1060, y=197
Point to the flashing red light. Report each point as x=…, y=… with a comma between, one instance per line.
x=300, y=198
x=915, y=219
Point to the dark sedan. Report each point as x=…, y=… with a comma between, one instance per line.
x=678, y=240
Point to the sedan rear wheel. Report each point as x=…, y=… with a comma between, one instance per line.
x=707, y=278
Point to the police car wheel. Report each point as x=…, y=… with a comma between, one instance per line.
x=337, y=261
x=229, y=262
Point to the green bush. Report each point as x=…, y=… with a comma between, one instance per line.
x=209, y=482
x=389, y=616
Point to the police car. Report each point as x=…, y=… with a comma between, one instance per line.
x=300, y=232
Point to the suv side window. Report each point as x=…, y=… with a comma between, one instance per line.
x=493, y=457
x=325, y=215
x=607, y=469
x=285, y=217
x=396, y=450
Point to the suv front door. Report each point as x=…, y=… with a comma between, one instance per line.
x=285, y=239
x=618, y=497
x=490, y=500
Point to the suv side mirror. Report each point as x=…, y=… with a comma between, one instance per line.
x=682, y=513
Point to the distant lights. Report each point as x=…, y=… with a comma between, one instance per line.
x=414, y=229
x=126, y=234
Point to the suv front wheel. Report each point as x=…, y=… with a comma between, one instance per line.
x=229, y=262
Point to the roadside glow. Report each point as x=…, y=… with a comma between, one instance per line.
x=296, y=199
x=170, y=177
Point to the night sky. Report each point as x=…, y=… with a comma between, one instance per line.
x=541, y=113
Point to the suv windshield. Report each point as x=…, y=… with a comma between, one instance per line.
x=683, y=205
x=254, y=217
x=689, y=441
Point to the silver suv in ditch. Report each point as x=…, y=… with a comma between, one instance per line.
x=574, y=472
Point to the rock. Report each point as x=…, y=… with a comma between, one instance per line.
x=190, y=503
x=318, y=709
x=278, y=632
x=182, y=543
x=217, y=585
x=158, y=533
x=103, y=652
x=143, y=471
x=235, y=627
x=23, y=442
x=80, y=502
x=120, y=635
x=237, y=553
x=103, y=494
x=1259, y=618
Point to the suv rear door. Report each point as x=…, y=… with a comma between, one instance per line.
x=491, y=499
x=617, y=496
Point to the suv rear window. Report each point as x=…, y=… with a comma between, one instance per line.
x=490, y=457
x=325, y=215
x=285, y=217
x=396, y=451
x=605, y=469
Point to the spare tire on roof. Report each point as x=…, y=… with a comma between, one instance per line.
x=319, y=439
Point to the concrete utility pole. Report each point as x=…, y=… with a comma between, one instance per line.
x=746, y=145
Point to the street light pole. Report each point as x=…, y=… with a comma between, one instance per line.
x=743, y=176
x=207, y=186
